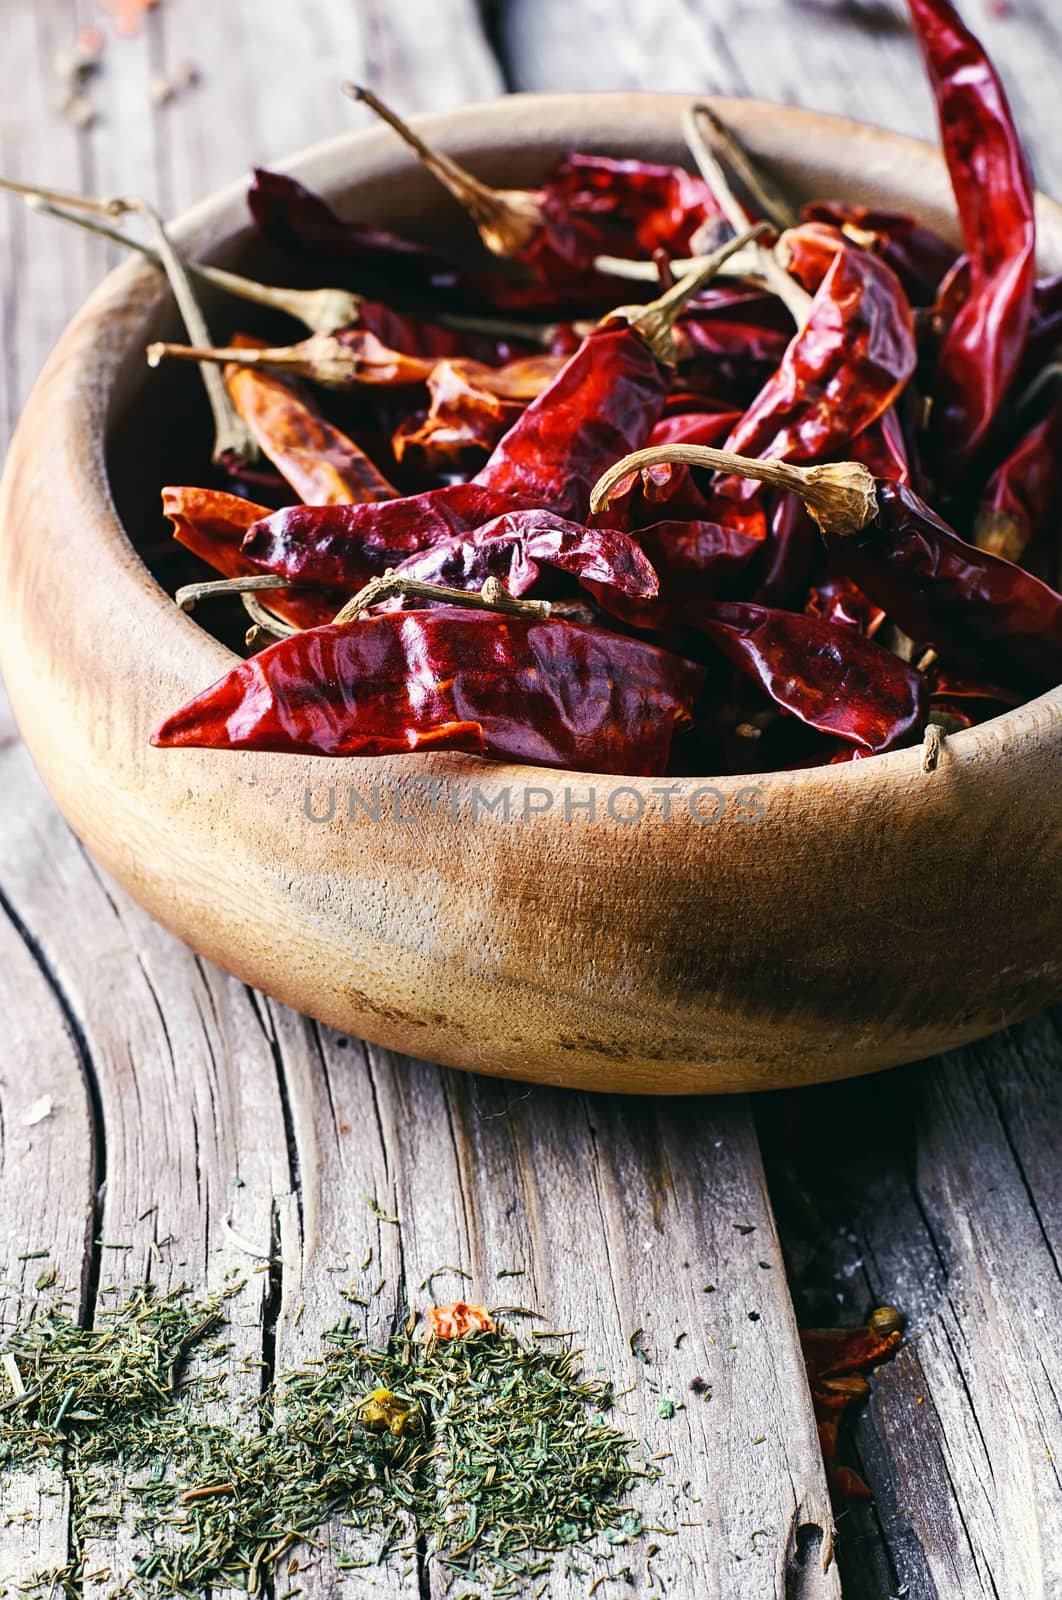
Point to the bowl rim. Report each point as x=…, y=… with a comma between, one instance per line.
x=98, y=362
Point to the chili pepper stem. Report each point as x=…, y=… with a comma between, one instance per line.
x=796, y=300
x=647, y=271
x=392, y=585
x=767, y=197
x=321, y=310
x=263, y=620
x=507, y=219
x=655, y=320
x=187, y=596
x=231, y=436
x=320, y=357
x=841, y=496
x=79, y=202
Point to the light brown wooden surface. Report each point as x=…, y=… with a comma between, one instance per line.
x=949, y=1206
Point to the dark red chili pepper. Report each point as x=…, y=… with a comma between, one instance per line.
x=299, y=220
x=583, y=209
x=1045, y=328
x=1022, y=495
x=919, y=257
x=609, y=394
x=994, y=194
x=731, y=339
x=958, y=701
x=695, y=563
x=986, y=613
x=829, y=678
x=694, y=427
x=548, y=692
x=836, y=599
x=341, y=547
x=415, y=336
x=643, y=203
x=516, y=546
x=212, y=525
x=882, y=448
x=789, y=554
x=845, y=367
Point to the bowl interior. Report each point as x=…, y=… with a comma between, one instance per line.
x=158, y=429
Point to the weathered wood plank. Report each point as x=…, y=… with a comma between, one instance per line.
x=47, y=1191
x=857, y=58
x=339, y=1259
x=618, y=1214
x=945, y=1201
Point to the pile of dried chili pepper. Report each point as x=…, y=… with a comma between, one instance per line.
x=608, y=497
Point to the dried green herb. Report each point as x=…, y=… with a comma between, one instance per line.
x=495, y=1454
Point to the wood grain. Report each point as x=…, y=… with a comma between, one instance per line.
x=960, y=1246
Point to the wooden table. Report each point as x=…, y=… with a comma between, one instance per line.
x=148, y=1101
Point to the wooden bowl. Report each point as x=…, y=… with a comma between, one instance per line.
x=833, y=922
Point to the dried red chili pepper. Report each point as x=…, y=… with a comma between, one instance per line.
x=1022, y=494
x=212, y=525
x=341, y=547
x=580, y=211
x=835, y=1352
x=793, y=544
x=835, y=1359
x=611, y=390
x=984, y=611
x=1045, y=328
x=837, y=599
x=919, y=257
x=515, y=547
x=836, y=682
x=694, y=562
x=322, y=465
x=694, y=427
x=994, y=194
x=643, y=202
x=847, y=364
x=549, y=692
x=471, y=408
x=295, y=218
x=791, y=549
x=731, y=339
x=959, y=701
x=988, y=614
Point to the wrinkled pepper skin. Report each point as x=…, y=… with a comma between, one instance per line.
x=602, y=404
x=826, y=676
x=212, y=525
x=985, y=613
x=845, y=367
x=516, y=547
x=550, y=693
x=994, y=194
x=342, y=547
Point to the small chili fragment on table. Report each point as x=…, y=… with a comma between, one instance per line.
x=458, y=1319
